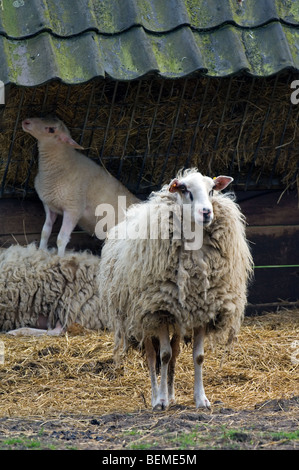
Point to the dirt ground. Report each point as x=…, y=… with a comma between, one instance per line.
x=65, y=393
x=272, y=425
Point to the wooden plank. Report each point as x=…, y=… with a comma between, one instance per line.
x=273, y=285
x=274, y=236
x=21, y=221
x=22, y=216
x=79, y=241
x=259, y=209
x=262, y=208
x=274, y=245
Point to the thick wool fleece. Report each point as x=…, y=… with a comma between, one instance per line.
x=140, y=278
x=35, y=282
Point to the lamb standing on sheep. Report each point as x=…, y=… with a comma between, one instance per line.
x=69, y=183
x=151, y=285
x=40, y=290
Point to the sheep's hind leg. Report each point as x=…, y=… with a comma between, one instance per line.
x=47, y=227
x=68, y=224
x=159, y=393
x=200, y=398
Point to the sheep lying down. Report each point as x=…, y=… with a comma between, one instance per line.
x=43, y=293
x=171, y=281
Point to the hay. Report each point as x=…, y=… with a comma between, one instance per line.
x=144, y=131
x=48, y=376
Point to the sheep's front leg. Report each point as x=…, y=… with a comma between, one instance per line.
x=26, y=331
x=165, y=357
x=151, y=360
x=69, y=222
x=47, y=227
x=57, y=331
x=200, y=398
x=175, y=347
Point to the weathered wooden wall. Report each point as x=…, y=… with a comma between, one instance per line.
x=273, y=232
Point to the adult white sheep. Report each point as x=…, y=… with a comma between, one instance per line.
x=40, y=290
x=151, y=286
x=69, y=183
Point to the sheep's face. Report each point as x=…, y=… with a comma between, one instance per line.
x=50, y=131
x=197, y=190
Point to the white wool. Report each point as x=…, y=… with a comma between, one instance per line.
x=37, y=282
x=205, y=287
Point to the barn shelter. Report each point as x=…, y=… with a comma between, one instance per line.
x=148, y=87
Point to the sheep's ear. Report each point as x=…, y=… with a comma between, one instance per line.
x=66, y=139
x=220, y=182
x=174, y=186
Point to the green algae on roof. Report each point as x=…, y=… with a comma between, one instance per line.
x=12, y=18
x=265, y=56
x=293, y=44
x=105, y=14
x=127, y=56
x=24, y=18
x=289, y=10
x=217, y=49
x=177, y=53
x=169, y=62
x=18, y=61
x=71, y=70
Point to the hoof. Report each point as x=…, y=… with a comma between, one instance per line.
x=203, y=403
x=160, y=406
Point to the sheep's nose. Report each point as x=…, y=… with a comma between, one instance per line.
x=206, y=214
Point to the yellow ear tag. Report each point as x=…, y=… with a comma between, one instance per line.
x=174, y=186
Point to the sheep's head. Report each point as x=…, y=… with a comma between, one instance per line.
x=49, y=130
x=197, y=190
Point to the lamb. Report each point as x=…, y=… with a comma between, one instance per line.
x=154, y=286
x=40, y=290
x=69, y=183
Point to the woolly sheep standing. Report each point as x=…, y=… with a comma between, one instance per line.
x=69, y=183
x=151, y=286
x=40, y=290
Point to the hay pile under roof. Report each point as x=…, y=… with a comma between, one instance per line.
x=144, y=131
x=55, y=376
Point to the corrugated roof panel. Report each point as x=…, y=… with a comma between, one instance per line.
x=260, y=52
x=225, y=51
x=21, y=19
x=207, y=14
x=271, y=48
x=177, y=53
x=65, y=18
x=129, y=55
x=77, y=40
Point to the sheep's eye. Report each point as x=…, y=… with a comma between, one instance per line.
x=184, y=190
x=211, y=192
